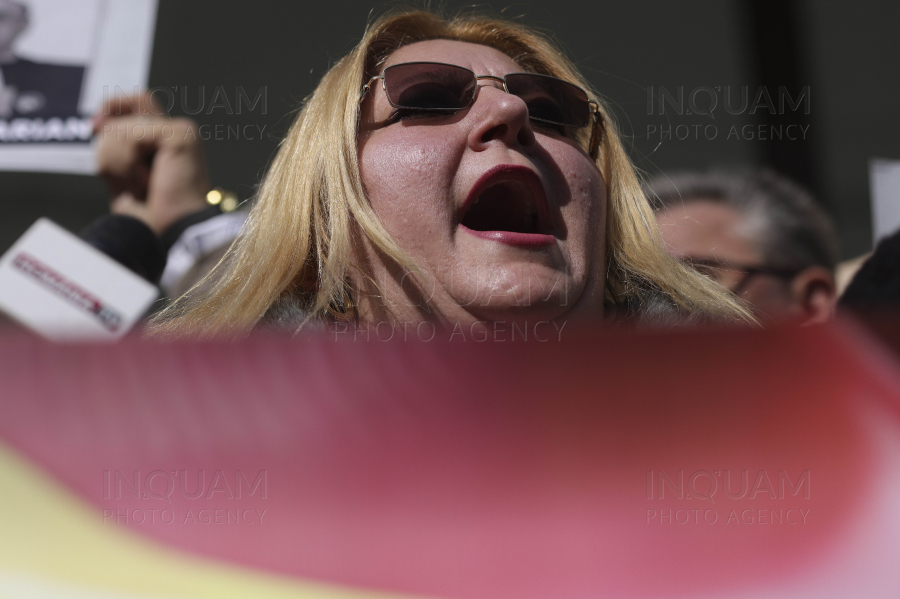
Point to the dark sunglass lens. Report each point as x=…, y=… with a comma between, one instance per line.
x=550, y=99
x=429, y=86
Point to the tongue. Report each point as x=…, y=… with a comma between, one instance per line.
x=502, y=208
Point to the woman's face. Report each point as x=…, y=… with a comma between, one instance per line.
x=505, y=217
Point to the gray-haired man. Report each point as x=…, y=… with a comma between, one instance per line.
x=757, y=234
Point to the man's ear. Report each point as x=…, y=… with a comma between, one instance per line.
x=814, y=293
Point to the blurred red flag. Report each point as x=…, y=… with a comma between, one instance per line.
x=601, y=465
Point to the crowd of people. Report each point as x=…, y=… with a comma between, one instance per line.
x=461, y=172
x=458, y=172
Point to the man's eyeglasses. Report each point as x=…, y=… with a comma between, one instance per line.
x=715, y=269
x=439, y=87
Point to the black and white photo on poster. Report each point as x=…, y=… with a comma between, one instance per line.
x=56, y=59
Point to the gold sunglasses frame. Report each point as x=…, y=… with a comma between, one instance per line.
x=594, y=146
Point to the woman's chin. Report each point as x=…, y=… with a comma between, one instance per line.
x=514, y=309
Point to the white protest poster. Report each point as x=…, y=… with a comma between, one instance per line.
x=59, y=60
x=884, y=179
x=64, y=289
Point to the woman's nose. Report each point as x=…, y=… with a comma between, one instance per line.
x=501, y=117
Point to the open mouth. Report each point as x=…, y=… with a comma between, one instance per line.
x=505, y=206
x=508, y=204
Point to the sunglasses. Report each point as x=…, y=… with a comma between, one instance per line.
x=439, y=87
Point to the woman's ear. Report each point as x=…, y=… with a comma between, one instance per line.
x=814, y=294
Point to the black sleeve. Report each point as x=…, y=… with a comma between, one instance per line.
x=129, y=242
x=171, y=235
x=877, y=284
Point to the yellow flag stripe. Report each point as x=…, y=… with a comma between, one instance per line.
x=55, y=545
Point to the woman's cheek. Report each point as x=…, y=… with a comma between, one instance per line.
x=407, y=178
x=401, y=168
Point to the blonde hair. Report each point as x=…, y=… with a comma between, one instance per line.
x=297, y=249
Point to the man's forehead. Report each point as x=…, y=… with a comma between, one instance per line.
x=706, y=229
